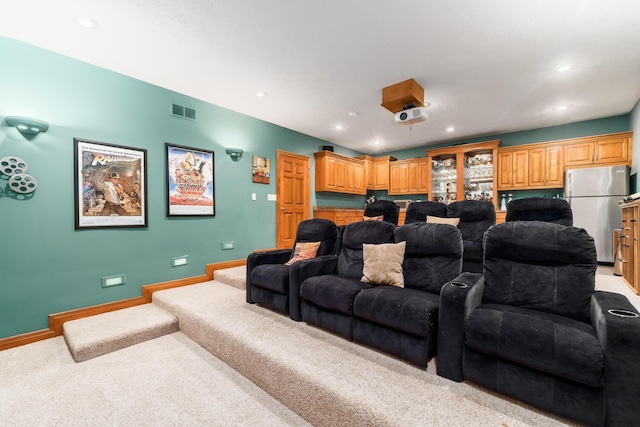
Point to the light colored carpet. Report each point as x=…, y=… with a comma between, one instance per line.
x=235, y=276
x=172, y=381
x=168, y=381
x=326, y=379
x=101, y=334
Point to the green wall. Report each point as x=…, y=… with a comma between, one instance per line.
x=46, y=266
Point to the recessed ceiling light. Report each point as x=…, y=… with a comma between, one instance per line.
x=338, y=127
x=86, y=23
x=352, y=114
x=560, y=108
x=450, y=129
x=261, y=94
x=564, y=68
x=377, y=143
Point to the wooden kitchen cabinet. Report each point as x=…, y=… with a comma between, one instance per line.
x=513, y=169
x=376, y=171
x=410, y=176
x=341, y=216
x=339, y=174
x=537, y=166
x=601, y=150
x=546, y=167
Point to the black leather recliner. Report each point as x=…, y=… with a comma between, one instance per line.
x=385, y=208
x=275, y=285
x=540, y=209
x=533, y=328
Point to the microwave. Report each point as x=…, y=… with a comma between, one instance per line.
x=402, y=204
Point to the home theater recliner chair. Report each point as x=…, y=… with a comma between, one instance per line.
x=401, y=321
x=540, y=209
x=533, y=328
x=273, y=284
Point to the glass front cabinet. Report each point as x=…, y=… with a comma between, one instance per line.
x=464, y=172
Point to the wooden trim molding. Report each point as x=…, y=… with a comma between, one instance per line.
x=24, y=339
x=56, y=320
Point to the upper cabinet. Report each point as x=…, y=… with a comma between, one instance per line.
x=596, y=151
x=339, y=174
x=537, y=166
x=410, y=176
x=376, y=171
x=463, y=172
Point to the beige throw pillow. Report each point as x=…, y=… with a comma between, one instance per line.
x=304, y=250
x=440, y=220
x=373, y=218
x=383, y=264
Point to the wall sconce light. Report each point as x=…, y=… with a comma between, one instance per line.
x=26, y=125
x=235, y=153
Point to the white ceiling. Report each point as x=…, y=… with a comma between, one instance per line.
x=487, y=67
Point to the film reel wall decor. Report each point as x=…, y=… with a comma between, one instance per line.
x=20, y=183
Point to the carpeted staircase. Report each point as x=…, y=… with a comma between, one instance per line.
x=325, y=379
x=94, y=336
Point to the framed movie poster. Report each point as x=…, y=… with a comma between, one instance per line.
x=190, y=184
x=110, y=185
x=261, y=170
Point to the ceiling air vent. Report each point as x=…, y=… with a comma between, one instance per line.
x=178, y=110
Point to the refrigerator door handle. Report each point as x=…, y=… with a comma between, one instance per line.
x=568, y=188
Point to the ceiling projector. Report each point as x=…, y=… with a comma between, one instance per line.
x=412, y=115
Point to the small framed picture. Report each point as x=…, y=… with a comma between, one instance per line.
x=110, y=185
x=261, y=170
x=190, y=181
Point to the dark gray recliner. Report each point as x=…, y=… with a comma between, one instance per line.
x=418, y=211
x=401, y=321
x=476, y=216
x=273, y=284
x=385, y=208
x=540, y=209
x=533, y=328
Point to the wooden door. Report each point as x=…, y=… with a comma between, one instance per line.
x=292, y=196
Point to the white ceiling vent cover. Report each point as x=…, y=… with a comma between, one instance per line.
x=183, y=112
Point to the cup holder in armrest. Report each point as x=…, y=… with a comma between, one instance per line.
x=622, y=313
x=459, y=284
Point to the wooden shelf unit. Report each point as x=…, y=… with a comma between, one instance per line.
x=629, y=239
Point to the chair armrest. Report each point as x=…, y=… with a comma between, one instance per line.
x=617, y=325
x=457, y=298
x=301, y=270
x=277, y=256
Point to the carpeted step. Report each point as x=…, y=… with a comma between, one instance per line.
x=94, y=336
x=327, y=380
x=235, y=276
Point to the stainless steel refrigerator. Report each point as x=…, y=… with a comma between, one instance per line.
x=593, y=194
